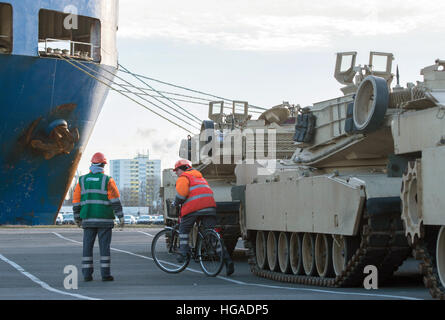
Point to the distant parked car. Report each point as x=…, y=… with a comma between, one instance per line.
x=129, y=219
x=59, y=219
x=144, y=220
x=68, y=218
x=158, y=219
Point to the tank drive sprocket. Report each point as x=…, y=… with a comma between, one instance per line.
x=411, y=196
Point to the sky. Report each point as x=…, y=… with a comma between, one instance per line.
x=264, y=52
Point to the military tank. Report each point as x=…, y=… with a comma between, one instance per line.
x=224, y=141
x=419, y=135
x=333, y=208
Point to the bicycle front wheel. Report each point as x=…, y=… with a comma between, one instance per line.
x=210, y=251
x=165, y=251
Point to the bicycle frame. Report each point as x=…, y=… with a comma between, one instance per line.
x=203, y=249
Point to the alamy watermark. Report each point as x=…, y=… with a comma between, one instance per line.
x=71, y=280
x=372, y=278
x=71, y=22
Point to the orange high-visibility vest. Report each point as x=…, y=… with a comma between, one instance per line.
x=200, y=195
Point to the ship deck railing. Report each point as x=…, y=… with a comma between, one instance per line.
x=68, y=48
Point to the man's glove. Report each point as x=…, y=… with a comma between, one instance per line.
x=121, y=222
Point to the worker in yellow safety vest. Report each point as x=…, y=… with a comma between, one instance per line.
x=96, y=201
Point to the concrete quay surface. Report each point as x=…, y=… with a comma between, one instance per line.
x=33, y=259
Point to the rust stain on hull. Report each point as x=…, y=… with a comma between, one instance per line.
x=72, y=172
x=60, y=141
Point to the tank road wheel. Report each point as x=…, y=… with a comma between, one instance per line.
x=283, y=252
x=440, y=255
x=260, y=250
x=343, y=248
x=323, y=255
x=370, y=104
x=411, y=196
x=308, y=254
x=272, y=250
x=295, y=253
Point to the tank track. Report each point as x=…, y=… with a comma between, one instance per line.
x=425, y=252
x=383, y=244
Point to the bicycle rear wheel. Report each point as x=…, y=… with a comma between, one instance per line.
x=211, y=254
x=165, y=251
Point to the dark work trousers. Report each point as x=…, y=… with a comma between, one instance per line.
x=89, y=236
x=185, y=226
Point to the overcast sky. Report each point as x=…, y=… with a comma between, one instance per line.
x=264, y=52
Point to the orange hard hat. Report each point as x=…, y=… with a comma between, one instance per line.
x=182, y=162
x=99, y=157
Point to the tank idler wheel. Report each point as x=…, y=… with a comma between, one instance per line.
x=260, y=250
x=323, y=255
x=272, y=250
x=308, y=254
x=295, y=253
x=283, y=252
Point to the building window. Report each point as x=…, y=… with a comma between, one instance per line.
x=5, y=28
x=82, y=41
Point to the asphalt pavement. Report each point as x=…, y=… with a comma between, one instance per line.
x=33, y=261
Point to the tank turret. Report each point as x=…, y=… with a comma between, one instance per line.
x=225, y=140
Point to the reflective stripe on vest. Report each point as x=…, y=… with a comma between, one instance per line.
x=82, y=203
x=200, y=195
x=94, y=197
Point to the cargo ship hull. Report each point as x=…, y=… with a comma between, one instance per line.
x=34, y=92
x=48, y=107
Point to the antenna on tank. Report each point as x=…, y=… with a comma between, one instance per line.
x=397, y=87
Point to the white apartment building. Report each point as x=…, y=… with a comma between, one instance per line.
x=138, y=180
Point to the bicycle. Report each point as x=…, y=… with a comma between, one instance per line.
x=207, y=250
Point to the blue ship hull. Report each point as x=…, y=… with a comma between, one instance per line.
x=34, y=92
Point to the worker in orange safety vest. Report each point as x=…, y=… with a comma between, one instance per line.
x=196, y=197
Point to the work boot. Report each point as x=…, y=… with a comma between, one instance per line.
x=108, y=278
x=230, y=267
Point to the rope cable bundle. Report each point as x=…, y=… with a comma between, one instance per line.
x=126, y=88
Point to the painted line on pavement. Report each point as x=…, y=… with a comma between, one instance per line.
x=41, y=283
x=320, y=290
x=123, y=251
x=146, y=233
x=264, y=285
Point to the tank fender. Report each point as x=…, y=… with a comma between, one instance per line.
x=382, y=193
x=375, y=206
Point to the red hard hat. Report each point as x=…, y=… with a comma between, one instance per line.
x=182, y=162
x=99, y=157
